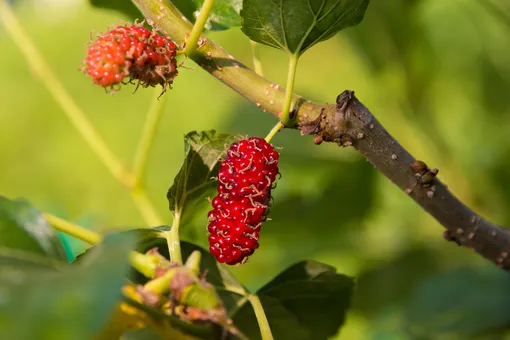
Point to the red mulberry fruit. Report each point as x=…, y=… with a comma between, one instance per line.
x=245, y=180
x=131, y=52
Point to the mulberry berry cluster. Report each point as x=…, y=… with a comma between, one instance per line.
x=245, y=179
x=131, y=51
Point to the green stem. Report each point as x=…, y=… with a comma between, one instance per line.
x=149, y=131
x=173, y=241
x=145, y=264
x=257, y=65
x=72, y=229
x=277, y=128
x=222, y=65
x=265, y=330
x=289, y=88
x=161, y=285
x=76, y=116
x=239, y=304
x=145, y=206
x=61, y=96
x=196, y=32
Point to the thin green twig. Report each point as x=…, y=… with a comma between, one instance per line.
x=255, y=52
x=72, y=229
x=149, y=131
x=145, y=206
x=277, y=128
x=145, y=264
x=291, y=76
x=198, y=27
x=265, y=330
x=61, y=96
x=76, y=116
x=173, y=240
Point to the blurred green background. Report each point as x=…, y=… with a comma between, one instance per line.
x=436, y=73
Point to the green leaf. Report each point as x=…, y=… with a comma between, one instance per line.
x=296, y=25
x=194, y=181
x=174, y=328
x=461, y=303
x=149, y=334
x=23, y=227
x=141, y=334
x=130, y=11
x=225, y=13
x=307, y=301
x=73, y=303
x=127, y=8
x=26, y=260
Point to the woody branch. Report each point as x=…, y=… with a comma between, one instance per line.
x=347, y=123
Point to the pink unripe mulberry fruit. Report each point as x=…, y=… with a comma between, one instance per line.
x=133, y=53
x=245, y=180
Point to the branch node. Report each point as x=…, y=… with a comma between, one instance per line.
x=449, y=236
x=344, y=99
x=314, y=127
x=419, y=167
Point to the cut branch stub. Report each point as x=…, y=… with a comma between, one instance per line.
x=342, y=123
x=350, y=123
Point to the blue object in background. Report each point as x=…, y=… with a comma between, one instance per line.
x=67, y=243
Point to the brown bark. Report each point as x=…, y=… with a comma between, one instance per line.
x=350, y=123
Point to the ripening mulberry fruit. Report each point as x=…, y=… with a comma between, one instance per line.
x=132, y=52
x=245, y=180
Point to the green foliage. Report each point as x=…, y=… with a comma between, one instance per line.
x=149, y=238
x=297, y=25
x=127, y=8
x=141, y=334
x=447, y=305
x=174, y=326
x=149, y=334
x=428, y=69
x=194, y=181
x=309, y=301
x=57, y=304
x=24, y=228
x=224, y=15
